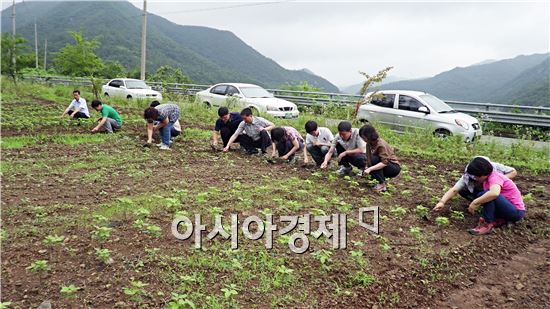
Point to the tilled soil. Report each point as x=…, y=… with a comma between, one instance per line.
x=447, y=268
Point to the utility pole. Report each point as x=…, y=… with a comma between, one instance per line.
x=13, y=34
x=143, y=40
x=45, y=52
x=35, y=44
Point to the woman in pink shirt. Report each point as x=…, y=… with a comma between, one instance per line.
x=501, y=200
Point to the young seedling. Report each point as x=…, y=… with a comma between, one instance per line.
x=136, y=290
x=528, y=197
x=180, y=301
x=39, y=266
x=321, y=201
x=39, y=212
x=323, y=256
x=69, y=291
x=416, y=232
x=102, y=233
x=284, y=270
x=362, y=278
x=103, y=255
x=357, y=256
x=442, y=221
x=230, y=290
x=201, y=197
x=399, y=212
x=142, y=213
x=100, y=220
x=422, y=211
x=154, y=230
x=52, y=240
x=139, y=224
x=457, y=215
x=384, y=246
x=172, y=203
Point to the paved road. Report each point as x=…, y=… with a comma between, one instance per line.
x=488, y=138
x=510, y=141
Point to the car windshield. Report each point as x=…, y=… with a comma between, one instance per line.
x=255, y=92
x=136, y=84
x=438, y=105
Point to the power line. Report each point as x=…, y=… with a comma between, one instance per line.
x=223, y=7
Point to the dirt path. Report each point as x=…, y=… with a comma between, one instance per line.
x=521, y=282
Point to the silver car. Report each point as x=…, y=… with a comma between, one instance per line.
x=402, y=110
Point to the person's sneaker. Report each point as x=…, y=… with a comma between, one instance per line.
x=343, y=171
x=159, y=144
x=292, y=161
x=483, y=229
x=381, y=187
x=164, y=147
x=253, y=152
x=480, y=222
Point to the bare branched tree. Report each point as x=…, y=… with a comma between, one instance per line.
x=378, y=78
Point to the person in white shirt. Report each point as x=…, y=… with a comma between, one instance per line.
x=318, y=141
x=350, y=148
x=78, y=107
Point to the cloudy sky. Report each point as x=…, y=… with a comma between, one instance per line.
x=336, y=40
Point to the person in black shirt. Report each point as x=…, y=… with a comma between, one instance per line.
x=225, y=126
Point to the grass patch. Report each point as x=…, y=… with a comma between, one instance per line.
x=16, y=142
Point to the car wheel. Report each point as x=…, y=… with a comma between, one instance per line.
x=207, y=104
x=443, y=133
x=129, y=97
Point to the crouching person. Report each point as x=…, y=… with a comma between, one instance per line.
x=254, y=132
x=288, y=142
x=110, y=120
x=318, y=141
x=501, y=199
x=381, y=160
x=78, y=107
x=166, y=115
x=350, y=149
x=176, y=128
x=225, y=126
x=469, y=188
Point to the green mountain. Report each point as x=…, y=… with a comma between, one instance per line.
x=532, y=85
x=521, y=80
x=207, y=55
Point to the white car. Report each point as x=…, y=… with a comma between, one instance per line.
x=130, y=89
x=239, y=96
x=402, y=110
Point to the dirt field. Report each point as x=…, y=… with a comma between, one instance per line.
x=111, y=184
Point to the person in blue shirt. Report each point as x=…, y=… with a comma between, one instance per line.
x=225, y=126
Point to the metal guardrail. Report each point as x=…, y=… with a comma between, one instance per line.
x=537, y=116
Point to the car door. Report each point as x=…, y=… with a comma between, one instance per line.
x=232, y=98
x=123, y=90
x=113, y=88
x=381, y=109
x=217, y=95
x=408, y=116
